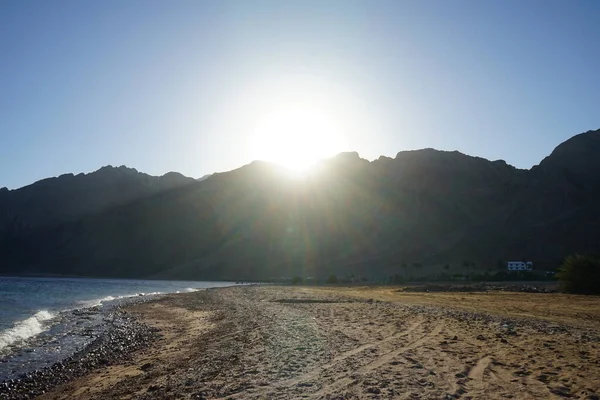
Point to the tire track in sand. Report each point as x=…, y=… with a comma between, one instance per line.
x=316, y=372
x=476, y=384
x=344, y=381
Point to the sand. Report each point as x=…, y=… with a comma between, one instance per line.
x=262, y=342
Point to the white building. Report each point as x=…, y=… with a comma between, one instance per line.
x=519, y=265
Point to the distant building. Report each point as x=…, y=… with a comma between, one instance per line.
x=519, y=265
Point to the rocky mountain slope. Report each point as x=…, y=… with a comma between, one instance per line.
x=421, y=209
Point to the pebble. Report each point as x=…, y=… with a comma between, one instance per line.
x=123, y=336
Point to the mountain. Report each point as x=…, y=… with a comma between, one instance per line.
x=411, y=214
x=69, y=196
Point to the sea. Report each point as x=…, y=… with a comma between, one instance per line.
x=45, y=320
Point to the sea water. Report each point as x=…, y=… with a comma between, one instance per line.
x=44, y=320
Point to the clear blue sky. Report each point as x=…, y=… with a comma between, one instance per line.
x=173, y=85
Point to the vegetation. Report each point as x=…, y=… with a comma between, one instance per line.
x=296, y=280
x=580, y=274
x=332, y=279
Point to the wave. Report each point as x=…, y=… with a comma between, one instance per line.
x=25, y=329
x=95, y=302
x=100, y=302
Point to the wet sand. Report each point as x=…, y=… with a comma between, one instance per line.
x=356, y=343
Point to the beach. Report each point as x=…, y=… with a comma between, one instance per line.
x=286, y=342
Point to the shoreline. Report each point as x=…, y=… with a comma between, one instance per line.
x=44, y=323
x=323, y=343
x=115, y=344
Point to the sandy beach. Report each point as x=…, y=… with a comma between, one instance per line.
x=262, y=342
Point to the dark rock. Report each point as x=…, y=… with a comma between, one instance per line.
x=373, y=390
x=561, y=391
x=147, y=366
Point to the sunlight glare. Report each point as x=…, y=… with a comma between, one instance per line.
x=297, y=135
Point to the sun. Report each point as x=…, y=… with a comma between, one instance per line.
x=296, y=135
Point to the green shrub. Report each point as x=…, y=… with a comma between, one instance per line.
x=580, y=274
x=332, y=279
x=296, y=280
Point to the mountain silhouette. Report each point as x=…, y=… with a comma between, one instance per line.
x=418, y=211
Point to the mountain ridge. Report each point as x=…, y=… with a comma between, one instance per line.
x=101, y=170
x=424, y=207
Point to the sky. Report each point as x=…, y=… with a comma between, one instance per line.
x=205, y=86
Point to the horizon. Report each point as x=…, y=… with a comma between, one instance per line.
x=283, y=167
x=205, y=87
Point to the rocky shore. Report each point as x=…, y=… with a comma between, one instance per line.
x=123, y=336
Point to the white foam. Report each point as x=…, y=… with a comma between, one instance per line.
x=191, y=289
x=25, y=329
x=99, y=302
